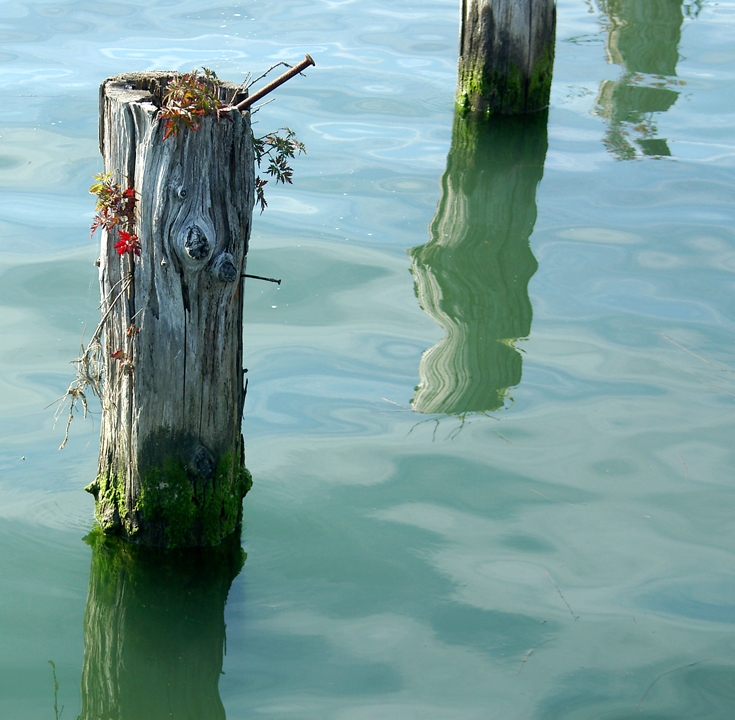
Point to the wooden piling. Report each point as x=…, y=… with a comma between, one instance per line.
x=171, y=466
x=506, y=55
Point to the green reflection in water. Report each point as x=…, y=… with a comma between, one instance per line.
x=472, y=276
x=154, y=630
x=643, y=38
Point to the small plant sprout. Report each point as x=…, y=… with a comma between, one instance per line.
x=188, y=98
x=127, y=243
x=277, y=149
x=192, y=96
x=115, y=206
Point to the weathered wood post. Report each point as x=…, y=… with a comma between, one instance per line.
x=154, y=630
x=506, y=55
x=171, y=466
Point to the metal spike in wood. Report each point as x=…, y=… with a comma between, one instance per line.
x=171, y=466
x=506, y=55
x=270, y=87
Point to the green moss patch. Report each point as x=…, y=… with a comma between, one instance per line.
x=175, y=507
x=507, y=91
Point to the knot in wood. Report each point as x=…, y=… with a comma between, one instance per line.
x=196, y=243
x=202, y=463
x=225, y=268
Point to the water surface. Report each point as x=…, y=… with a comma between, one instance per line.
x=490, y=409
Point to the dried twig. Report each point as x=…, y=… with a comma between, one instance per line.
x=528, y=654
x=699, y=357
x=260, y=277
x=255, y=109
x=269, y=70
x=576, y=617
x=244, y=85
x=89, y=367
x=686, y=469
x=668, y=672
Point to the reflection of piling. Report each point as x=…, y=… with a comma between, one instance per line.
x=643, y=35
x=472, y=276
x=643, y=38
x=154, y=630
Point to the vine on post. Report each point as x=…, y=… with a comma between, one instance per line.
x=191, y=96
x=115, y=206
x=277, y=150
x=186, y=99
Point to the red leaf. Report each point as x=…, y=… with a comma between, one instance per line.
x=127, y=243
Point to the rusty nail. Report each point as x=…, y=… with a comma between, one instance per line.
x=247, y=102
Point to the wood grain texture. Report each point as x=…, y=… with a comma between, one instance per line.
x=170, y=436
x=506, y=55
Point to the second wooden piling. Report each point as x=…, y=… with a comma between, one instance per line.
x=506, y=55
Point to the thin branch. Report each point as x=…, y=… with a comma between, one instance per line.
x=699, y=357
x=255, y=109
x=247, y=83
x=270, y=87
x=122, y=279
x=98, y=331
x=576, y=617
x=244, y=85
x=89, y=367
x=270, y=69
x=528, y=654
x=668, y=672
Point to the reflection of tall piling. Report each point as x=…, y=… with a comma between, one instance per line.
x=154, y=630
x=643, y=38
x=472, y=276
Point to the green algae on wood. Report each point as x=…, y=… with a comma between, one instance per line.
x=506, y=55
x=174, y=506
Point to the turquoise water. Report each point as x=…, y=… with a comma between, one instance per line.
x=552, y=540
